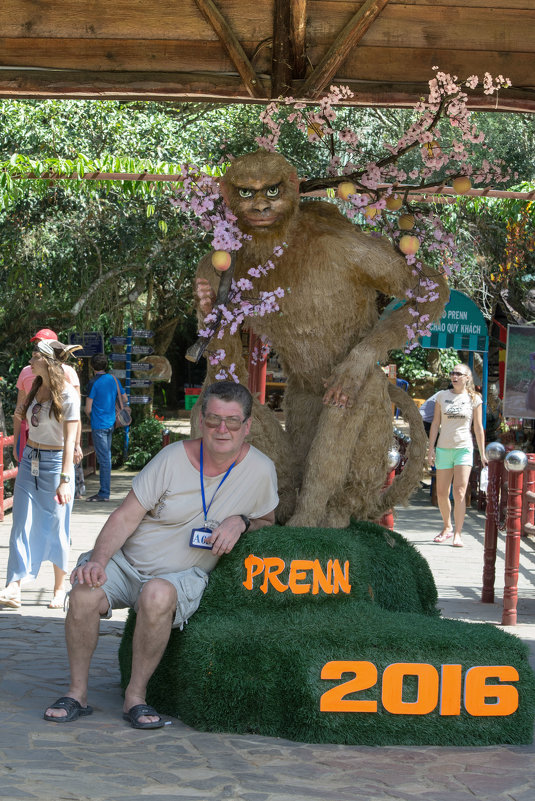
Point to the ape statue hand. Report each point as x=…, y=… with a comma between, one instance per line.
x=204, y=295
x=346, y=380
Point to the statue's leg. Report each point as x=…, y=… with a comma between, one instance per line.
x=368, y=468
x=345, y=466
x=268, y=435
x=302, y=411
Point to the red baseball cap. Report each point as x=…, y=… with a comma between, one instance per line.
x=44, y=333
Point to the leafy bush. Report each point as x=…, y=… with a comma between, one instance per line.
x=145, y=440
x=414, y=366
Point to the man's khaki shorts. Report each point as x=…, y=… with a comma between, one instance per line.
x=124, y=585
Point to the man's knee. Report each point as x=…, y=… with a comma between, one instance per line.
x=158, y=597
x=84, y=600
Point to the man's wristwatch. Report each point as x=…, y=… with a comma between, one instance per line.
x=65, y=478
x=247, y=523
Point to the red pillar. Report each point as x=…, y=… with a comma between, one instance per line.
x=491, y=529
x=529, y=486
x=512, y=547
x=387, y=519
x=257, y=369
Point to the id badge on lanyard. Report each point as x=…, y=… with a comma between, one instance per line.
x=200, y=535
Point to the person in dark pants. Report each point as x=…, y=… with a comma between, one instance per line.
x=100, y=408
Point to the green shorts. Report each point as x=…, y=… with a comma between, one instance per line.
x=446, y=458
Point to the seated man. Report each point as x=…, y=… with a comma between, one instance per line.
x=150, y=556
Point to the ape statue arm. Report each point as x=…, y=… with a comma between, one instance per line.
x=206, y=286
x=387, y=272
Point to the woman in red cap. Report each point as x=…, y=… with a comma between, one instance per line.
x=24, y=384
x=42, y=500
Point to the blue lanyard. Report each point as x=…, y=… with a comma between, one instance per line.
x=206, y=510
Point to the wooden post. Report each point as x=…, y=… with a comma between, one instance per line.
x=491, y=530
x=512, y=547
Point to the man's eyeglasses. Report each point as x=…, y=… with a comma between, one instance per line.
x=454, y=372
x=215, y=420
x=36, y=411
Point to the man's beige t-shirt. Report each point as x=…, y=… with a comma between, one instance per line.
x=456, y=419
x=169, y=488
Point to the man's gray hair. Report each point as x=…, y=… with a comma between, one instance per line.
x=228, y=391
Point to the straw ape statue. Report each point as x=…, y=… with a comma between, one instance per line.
x=332, y=456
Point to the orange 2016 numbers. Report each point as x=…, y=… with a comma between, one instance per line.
x=445, y=689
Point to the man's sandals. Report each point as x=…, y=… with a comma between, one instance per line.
x=73, y=708
x=143, y=710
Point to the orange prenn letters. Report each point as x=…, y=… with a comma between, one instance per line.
x=335, y=579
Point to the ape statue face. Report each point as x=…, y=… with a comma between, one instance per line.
x=262, y=190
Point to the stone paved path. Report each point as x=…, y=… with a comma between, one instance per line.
x=101, y=758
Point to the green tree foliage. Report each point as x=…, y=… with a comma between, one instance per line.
x=100, y=254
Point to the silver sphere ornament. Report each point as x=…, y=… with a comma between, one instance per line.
x=393, y=458
x=516, y=461
x=495, y=452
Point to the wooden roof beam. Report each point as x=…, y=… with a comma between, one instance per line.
x=281, y=59
x=231, y=44
x=349, y=36
x=298, y=29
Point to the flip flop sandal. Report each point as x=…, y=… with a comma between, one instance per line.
x=58, y=601
x=443, y=536
x=141, y=710
x=73, y=708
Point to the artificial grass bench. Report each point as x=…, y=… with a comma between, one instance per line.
x=333, y=636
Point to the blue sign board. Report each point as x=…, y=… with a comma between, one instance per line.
x=140, y=399
x=117, y=357
x=118, y=340
x=91, y=341
x=142, y=334
x=140, y=382
x=142, y=366
x=146, y=349
x=462, y=326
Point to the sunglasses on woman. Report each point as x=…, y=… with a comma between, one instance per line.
x=36, y=411
x=454, y=372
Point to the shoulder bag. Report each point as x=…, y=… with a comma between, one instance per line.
x=123, y=415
